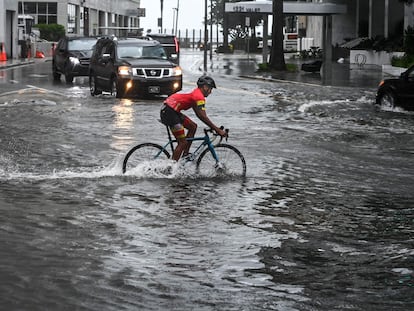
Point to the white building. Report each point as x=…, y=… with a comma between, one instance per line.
x=364, y=18
x=80, y=17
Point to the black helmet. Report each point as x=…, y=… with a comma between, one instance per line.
x=206, y=80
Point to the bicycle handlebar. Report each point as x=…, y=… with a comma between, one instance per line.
x=210, y=130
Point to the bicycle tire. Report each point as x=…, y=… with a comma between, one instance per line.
x=231, y=162
x=143, y=152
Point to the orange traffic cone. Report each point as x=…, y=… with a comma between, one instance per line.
x=3, y=55
x=39, y=54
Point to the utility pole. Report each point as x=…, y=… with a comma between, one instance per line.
x=211, y=30
x=176, y=18
x=205, y=36
x=160, y=20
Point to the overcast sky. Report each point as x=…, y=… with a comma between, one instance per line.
x=190, y=14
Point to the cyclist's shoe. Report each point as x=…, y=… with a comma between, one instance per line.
x=188, y=157
x=220, y=167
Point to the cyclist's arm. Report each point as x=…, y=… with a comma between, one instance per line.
x=202, y=115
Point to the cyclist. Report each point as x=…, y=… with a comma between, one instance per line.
x=172, y=116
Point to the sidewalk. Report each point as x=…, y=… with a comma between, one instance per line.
x=345, y=74
x=16, y=62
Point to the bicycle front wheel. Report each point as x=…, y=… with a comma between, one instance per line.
x=143, y=152
x=230, y=162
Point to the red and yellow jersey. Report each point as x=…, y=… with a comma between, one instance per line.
x=185, y=101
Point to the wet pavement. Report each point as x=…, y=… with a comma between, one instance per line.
x=246, y=65
x=323, y=220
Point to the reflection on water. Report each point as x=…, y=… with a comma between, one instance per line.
x=123, y=124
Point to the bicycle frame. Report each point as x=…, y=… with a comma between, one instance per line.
x=206, y=154
x=205, y=142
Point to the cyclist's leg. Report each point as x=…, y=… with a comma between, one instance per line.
x=174, y=120
x=191, y=130
x=179, y=133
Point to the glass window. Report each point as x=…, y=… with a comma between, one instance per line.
x=133, y=51
x=41, y=19
x=43, y=12
x=30, y=8
x=71, y=18
x=81, y=45
x=52, y=19
x=52, y=8
x=42, y=8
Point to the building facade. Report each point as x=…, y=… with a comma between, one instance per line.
x=364, y=18
x=79, y=17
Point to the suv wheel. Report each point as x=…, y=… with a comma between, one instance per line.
x=116, y=90
x=69, y=78
x=56, y=75
x=387, y=99
x=93, y=87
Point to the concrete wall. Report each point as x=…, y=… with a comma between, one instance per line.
x=357, y=21
x=344, y=25
x=8, y=27
x=409, y=16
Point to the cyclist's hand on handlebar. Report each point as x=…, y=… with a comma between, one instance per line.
x=222, y=132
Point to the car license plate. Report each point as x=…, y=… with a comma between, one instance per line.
x=154, y=89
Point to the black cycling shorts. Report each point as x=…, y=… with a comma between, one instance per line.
x=171, y=117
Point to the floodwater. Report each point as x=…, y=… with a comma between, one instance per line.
x=322, y=221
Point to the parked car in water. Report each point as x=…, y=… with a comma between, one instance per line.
x=132, y=67
x=397, y=91
x=71, y=57
x=170, y=44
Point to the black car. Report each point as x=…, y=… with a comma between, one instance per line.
x=71, y=57
x=170, y=44
x=132, y=67
x=397, y=91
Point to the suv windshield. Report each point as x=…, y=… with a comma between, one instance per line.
x=133, y=51
x=81, y=45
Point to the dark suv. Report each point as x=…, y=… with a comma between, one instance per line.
x=71, y=57
x=397, y=91
x=130, y=67
x=170, y=44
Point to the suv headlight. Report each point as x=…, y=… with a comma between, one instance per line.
x=176, y=71
x=124, y=70
x=74, y=60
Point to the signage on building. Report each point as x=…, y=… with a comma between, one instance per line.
x=141, y=12
x=248, y=7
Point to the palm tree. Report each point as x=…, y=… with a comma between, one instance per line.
x=277, y=56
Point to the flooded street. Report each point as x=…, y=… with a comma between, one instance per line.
x=322, y=221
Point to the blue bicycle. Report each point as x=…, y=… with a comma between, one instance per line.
x=211, y=159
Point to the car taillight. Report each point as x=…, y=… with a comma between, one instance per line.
x=381, y=83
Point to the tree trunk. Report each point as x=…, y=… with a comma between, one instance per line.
x=277, y=55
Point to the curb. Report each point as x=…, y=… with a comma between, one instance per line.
x=16, y=64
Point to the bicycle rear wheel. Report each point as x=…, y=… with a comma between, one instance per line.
x=143, y=152
x=231, y=162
